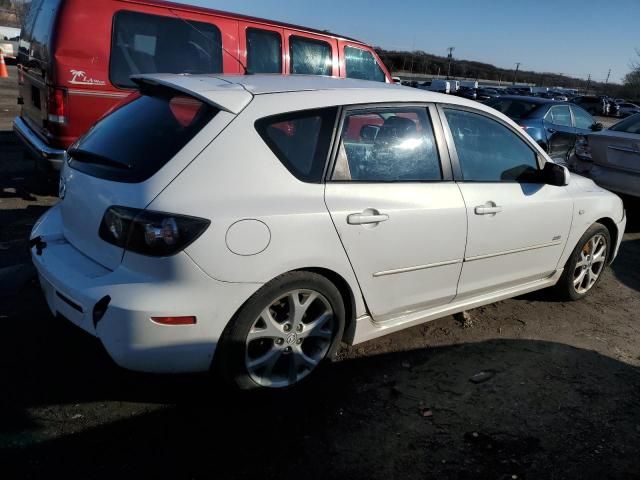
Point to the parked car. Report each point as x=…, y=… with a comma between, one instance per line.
x=555, y=126
x=627, y=109
x=612, y=157
x=467, y=92
x=485, y=94
x=72, y=71
x=218, y=221
x=593, y=105
x=9, y=47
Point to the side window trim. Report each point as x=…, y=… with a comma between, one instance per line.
x=453, y=154
x=438, y=131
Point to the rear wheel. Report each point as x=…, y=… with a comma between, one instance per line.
x=588, y=260
x=283, y=332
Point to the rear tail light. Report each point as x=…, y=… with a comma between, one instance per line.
x=57, y=106
x=156, y=234
x=583, y=150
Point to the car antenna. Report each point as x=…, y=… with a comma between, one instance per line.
x=244, y=67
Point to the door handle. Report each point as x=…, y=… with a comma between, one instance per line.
x=551, y=130
x=487, y=209
x=365, y=218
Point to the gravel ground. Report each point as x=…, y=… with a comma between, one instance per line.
x=533, y=388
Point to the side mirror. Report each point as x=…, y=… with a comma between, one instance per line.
x=554, y=174
x=596, y=127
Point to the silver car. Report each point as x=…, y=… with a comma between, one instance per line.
x=612, y=157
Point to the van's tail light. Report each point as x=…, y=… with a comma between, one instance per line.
x=20, y=75
x=156, y=234
x=57, y=106
x=583, y=150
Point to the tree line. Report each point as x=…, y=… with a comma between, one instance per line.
x=421, y=62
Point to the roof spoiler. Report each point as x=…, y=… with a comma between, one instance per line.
x=227, y=96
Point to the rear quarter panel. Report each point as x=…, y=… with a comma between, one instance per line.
x=238, y=178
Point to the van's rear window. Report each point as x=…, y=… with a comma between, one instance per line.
x=136, y=140
x=143, y=43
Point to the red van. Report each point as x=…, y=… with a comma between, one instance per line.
x=75, y=58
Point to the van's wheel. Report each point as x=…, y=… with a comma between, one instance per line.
x=584, y=267
x=283, y=332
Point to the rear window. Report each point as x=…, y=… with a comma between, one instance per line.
x=361, y=64
x=143, y=43
x=310, y=57
x=37, y=30
x=513, y=108
x=136, y=140
x=300, y=140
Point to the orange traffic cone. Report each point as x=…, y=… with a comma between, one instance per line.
x=3, y=67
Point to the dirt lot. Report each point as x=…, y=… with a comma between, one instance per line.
x=561, y=397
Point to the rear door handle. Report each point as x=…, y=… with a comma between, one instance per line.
x=366, y=218
x=487, y=210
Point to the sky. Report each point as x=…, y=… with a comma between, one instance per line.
x=573, y=37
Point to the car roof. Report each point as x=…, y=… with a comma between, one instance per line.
x=539, y=100
x=263, y=21
x=234, y=92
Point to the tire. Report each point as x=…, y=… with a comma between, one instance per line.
x=270, y=345
x=583, y=271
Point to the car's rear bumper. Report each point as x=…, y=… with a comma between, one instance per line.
x=73, y=284
x=42, y=151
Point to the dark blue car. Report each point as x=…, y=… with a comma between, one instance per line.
x=554, y=125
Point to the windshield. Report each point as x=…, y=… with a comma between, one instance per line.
x=629, y=125
x=136, y=140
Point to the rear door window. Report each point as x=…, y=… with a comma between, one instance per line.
x=559, y=115
x=300, y=140
x=264, y=51
x=310, y=56
x=583, y=120
x=143, y=43
x=361, y=64
x=388, y=145
x=136, y=140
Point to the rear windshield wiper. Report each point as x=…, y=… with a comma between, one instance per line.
x=85, y=156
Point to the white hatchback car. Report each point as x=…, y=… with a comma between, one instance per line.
x=261, y=220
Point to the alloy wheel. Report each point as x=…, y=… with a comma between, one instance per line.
x=289, y=338
x=590, y=264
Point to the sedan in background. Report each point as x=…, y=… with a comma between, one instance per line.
x=612, y=157
x=593, y=105
x=486, y=94
x=554, y=125
x=627, y=109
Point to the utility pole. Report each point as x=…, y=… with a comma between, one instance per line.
x=450, y=57
x=515, y=74
x=588, y=84
x=607, y=81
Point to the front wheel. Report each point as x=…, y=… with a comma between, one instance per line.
x=283, y=332
x=584, y=267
